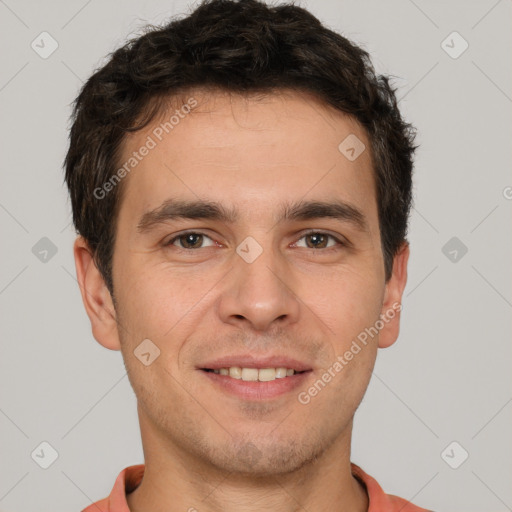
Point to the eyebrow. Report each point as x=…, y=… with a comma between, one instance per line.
x=172, y=209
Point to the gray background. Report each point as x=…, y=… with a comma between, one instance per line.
x=448, y=376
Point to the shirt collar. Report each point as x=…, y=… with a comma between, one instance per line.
x=130, y=478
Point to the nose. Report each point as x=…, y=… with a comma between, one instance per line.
x=259, y=295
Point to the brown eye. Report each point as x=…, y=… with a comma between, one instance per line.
x=190, y=241
x=318, y=240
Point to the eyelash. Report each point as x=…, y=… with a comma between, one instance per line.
x=339, y=242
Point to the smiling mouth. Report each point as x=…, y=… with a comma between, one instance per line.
x=255, y=374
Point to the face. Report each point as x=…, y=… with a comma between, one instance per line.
x=247, y=239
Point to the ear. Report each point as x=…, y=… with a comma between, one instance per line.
x=96, y=297
x=392, y=305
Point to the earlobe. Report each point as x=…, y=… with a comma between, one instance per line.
x=392, y=305
x=96, y=297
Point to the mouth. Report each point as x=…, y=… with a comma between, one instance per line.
x=255, y=374
x=256, y=384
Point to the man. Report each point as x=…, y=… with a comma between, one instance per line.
x=241, y=183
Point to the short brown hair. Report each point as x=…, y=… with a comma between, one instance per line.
x=239, y=46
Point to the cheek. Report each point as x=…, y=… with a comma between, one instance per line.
x=349, y=305
x=159, y=302
x=346, y=300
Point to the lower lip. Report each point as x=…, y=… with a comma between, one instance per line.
x=257, y=390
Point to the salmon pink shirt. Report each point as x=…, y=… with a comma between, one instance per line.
x=130, y=478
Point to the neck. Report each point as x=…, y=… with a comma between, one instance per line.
x=177, y=480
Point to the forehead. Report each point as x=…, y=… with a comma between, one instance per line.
x=252, y=151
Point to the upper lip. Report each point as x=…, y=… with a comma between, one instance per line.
x=250, y=361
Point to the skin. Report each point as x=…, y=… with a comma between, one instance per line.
x=204, y=448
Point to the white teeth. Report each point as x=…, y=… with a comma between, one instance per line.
x=235, y=372
x=250, y=374
x=255, y=374
x=280, y=373
x=266, y=374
